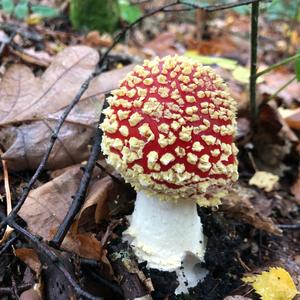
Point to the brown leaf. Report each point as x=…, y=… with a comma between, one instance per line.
x=47, y=205
x=238, y=204
x=30, y=258
x=31, y=106
x=25, y=97
x=95, y=207
x=273, y=141
x=85, y=245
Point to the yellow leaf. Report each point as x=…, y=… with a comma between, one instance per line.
x=275, y=284
x=239, y=73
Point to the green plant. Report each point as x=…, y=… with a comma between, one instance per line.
x=22, y=9
x=129, y=13
x=101, y=15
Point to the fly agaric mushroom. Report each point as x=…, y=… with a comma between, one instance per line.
x=169, y=131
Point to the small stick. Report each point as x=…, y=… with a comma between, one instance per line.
x=253, y=76
x=289, y=226
x=8, y=230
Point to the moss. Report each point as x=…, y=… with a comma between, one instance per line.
x=101, y=15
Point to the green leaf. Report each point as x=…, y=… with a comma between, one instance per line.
x=45, y=11
x=21, y=10
x=129, y=13
x=8, y=6
x=297, y=68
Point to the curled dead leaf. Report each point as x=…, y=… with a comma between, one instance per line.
x=95, y=207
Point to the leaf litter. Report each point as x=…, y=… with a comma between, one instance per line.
x=245, y=235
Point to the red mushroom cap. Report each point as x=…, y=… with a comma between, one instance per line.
x=170, y=130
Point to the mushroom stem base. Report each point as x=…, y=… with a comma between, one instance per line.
x=168, y=235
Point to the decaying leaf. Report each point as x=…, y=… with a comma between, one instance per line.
x=29, y=112
x=95, y=207
x=264, y=180
x=85, y=245
x=88, y=246
x=275, y=284
x=30, y=258
x=47, y=205
x=238, y=204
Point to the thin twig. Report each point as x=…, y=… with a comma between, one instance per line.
x=109, y=174
x=81, y=191
x=123, y=32
x=113, y=286
x=274, y=95
x=222, y=6
x=253, y=68
x=21, y=30
x=21, y=288
x=7, y=245
x=48, y=255
x=289, y=226
x=8, y=230
x=279, y=64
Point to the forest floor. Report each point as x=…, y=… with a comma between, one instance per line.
x=43, y=65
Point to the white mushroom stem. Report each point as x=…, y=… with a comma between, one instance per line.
x=168, y=235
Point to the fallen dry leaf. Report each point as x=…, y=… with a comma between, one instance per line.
x=85, y=245
x=273, y=141
x=95, y=207
x=88, y=246
x=29, y=112
x=35, y=97
x=238, y=205
x=30, y=258
x=46, y=206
